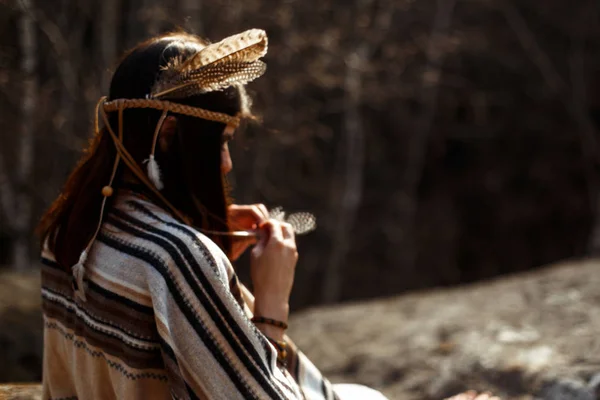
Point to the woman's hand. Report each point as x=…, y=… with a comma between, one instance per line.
x=471, y=395
x=272, y=267
x=245, y=217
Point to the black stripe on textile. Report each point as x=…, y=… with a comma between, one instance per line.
x=190, y=233
x=236, y=291
x=335, y=396
x=297, y=367
x=324, y=389
x=73, y=312
x=120, y=299
x=159, y=265
x=327, y=389
x=330, y=392
x=212, y=294
x=52, y=264
x=167, y=349
x=190, y=392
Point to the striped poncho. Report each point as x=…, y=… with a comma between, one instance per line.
x=163, y=318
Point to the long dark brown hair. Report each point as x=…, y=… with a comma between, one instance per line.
x=191, y=168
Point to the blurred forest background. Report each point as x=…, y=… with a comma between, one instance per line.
x=438, y=141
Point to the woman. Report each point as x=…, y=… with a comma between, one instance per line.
x=140, y=299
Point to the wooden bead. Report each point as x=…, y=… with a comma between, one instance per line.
x=107, y=191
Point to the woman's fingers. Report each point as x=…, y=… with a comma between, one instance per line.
x=263, y=210
x=282, y=232
x=245, y=217
x=288, y=232
x=290, y=238
x=275, y=231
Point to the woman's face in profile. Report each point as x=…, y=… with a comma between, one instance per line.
x=168, y=130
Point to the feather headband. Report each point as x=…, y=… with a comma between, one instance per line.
x=232, y=61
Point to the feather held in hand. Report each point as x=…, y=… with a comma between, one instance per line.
x=232, y=61
x=301, y=222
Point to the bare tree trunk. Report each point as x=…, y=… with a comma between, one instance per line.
x=352, y=155
x=23, y=203
x=137, y=21
x=579, y=104
x=60, y=34
x=419, y=140
x=574, y=100
x=153, y=13
x=108, y=39
x=7, y=194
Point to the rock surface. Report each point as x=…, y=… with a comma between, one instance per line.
x=20, y=327
x=530, y=336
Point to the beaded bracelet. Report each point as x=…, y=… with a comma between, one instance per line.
x=269, y=321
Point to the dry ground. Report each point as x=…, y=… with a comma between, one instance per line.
x=535, y=335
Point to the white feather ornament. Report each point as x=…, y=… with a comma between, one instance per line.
x=154, y=172
x=78, y=273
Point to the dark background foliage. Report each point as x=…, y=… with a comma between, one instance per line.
x=437, y=141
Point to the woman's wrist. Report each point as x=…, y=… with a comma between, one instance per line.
x=271, y=310
x=276, y=310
